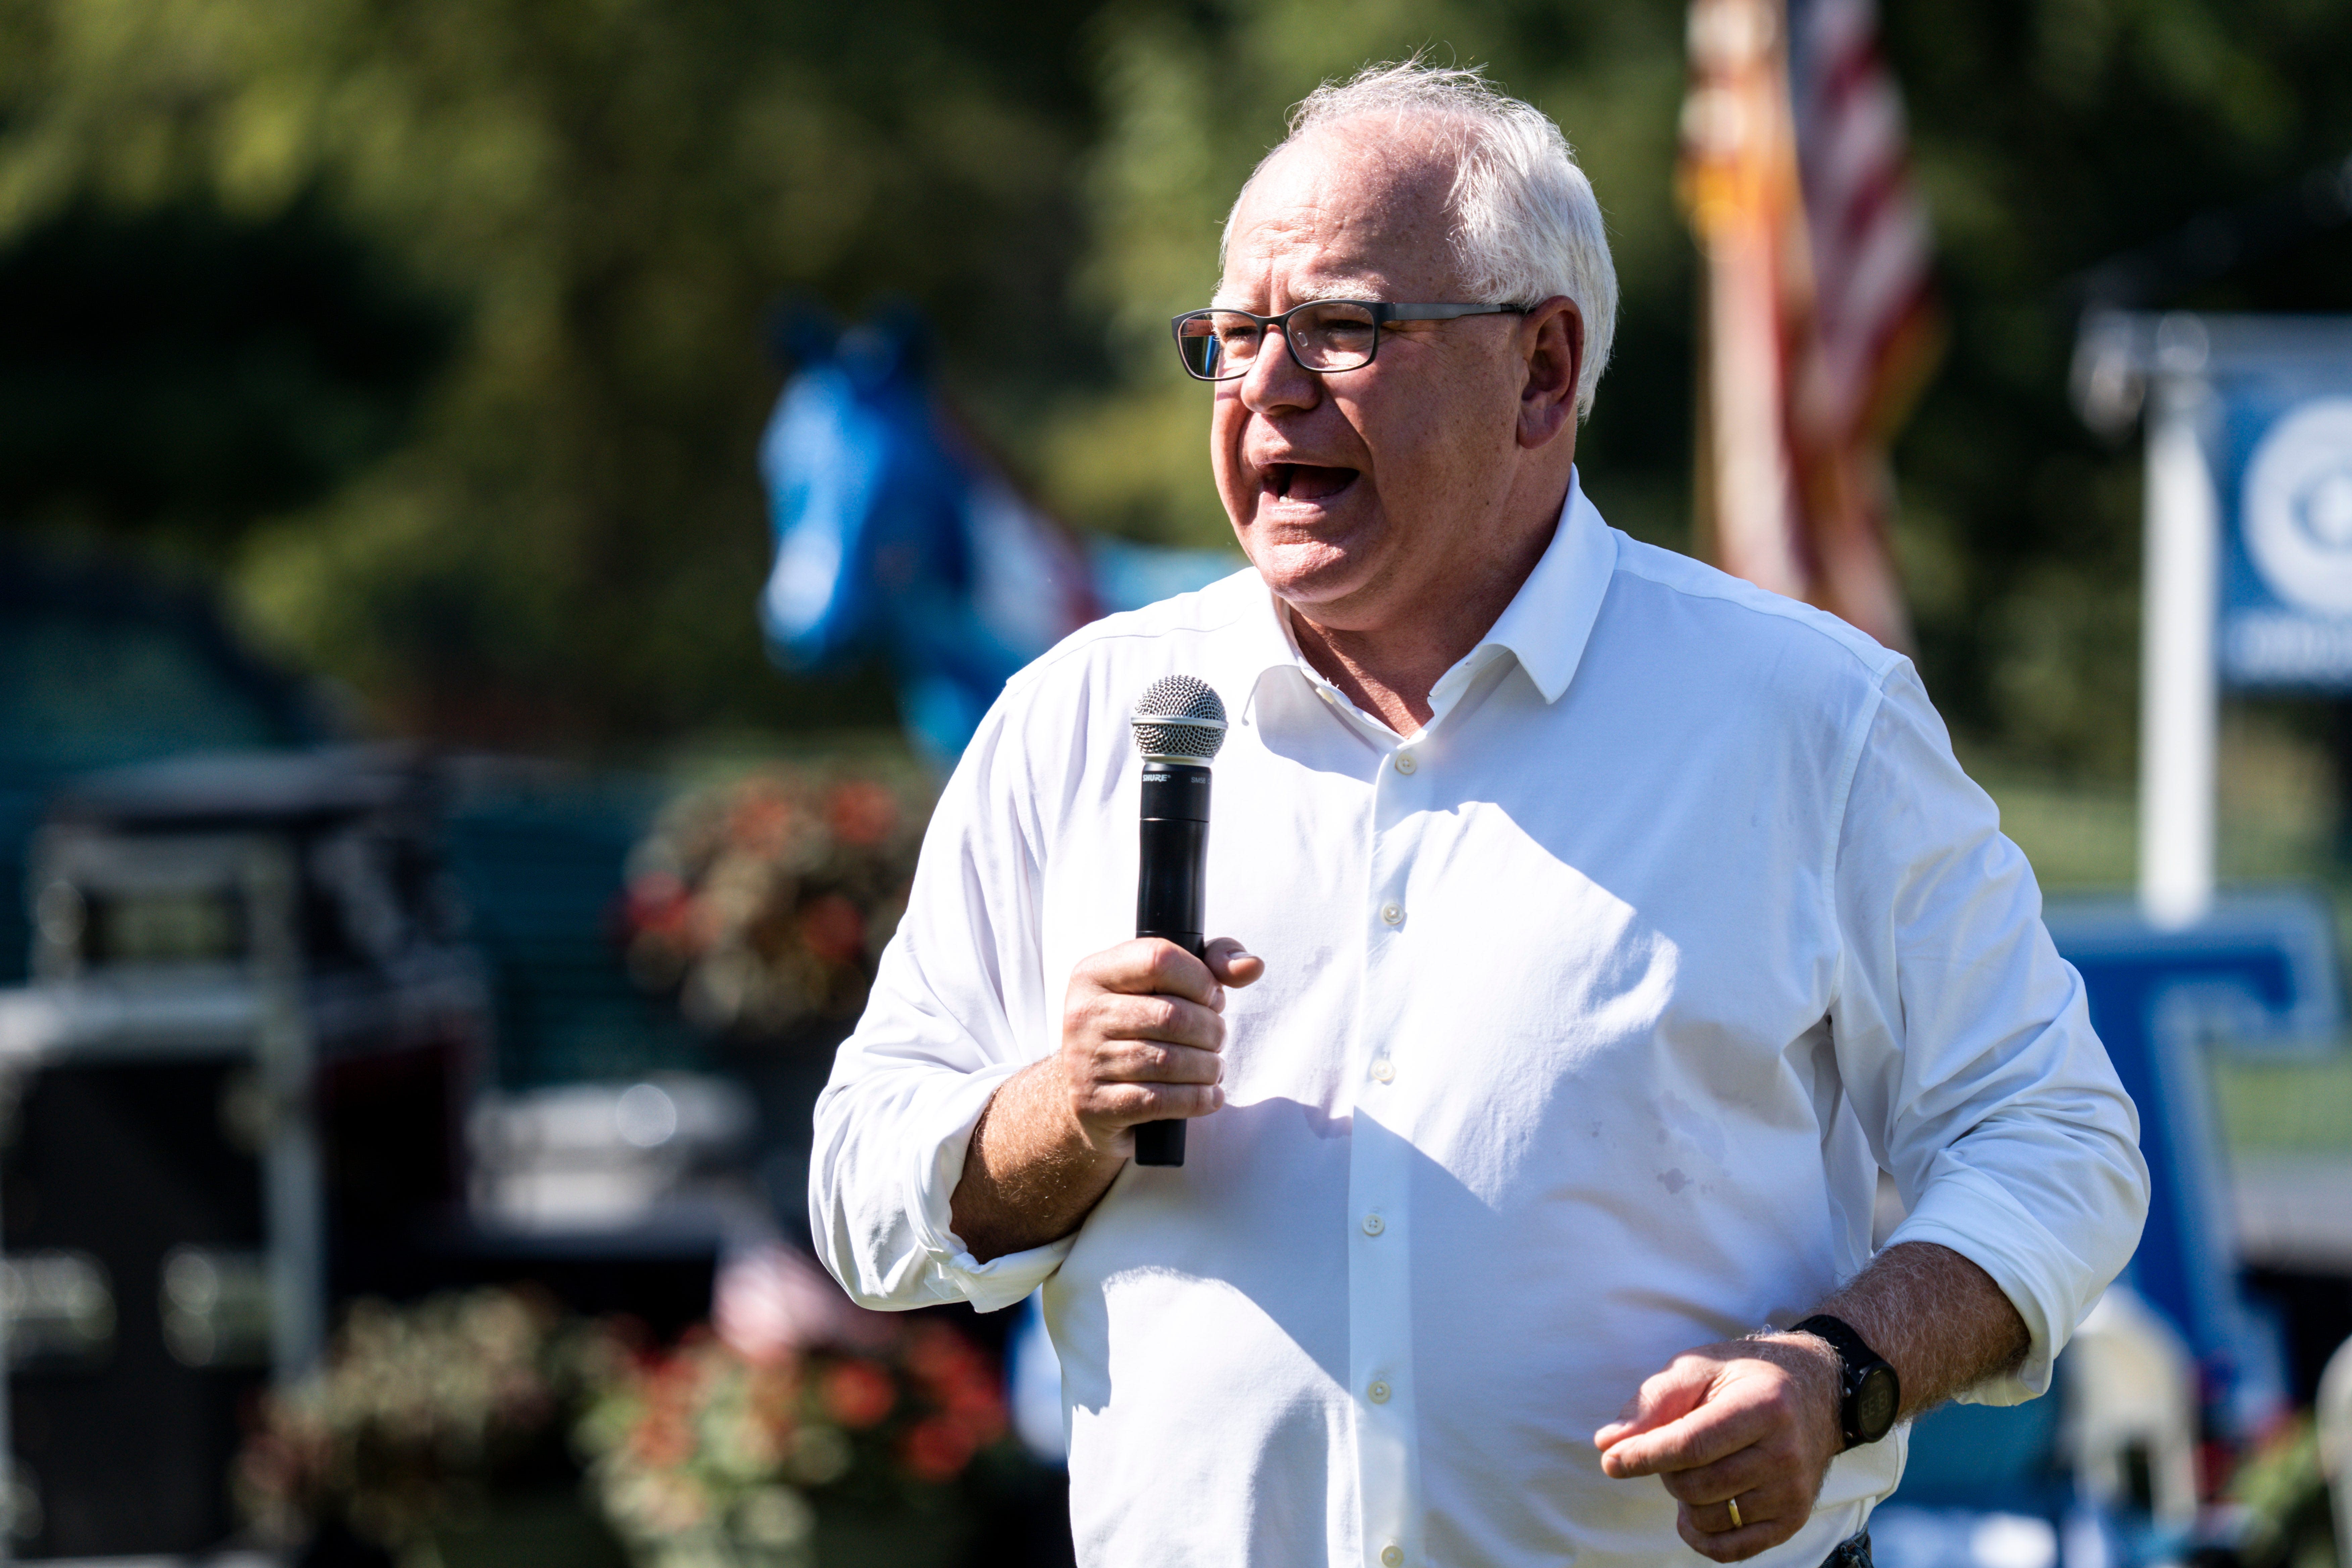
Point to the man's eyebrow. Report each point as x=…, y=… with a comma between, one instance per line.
x=1350, y=288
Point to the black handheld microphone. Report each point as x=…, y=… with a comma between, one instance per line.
x=1179, y=725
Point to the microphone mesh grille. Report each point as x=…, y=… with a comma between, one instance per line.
x=1179, y=719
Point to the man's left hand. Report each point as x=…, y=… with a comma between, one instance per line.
x=1753, y=1422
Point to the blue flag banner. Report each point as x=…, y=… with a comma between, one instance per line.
x=2279, y=442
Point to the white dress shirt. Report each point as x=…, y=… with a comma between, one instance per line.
x=1590, y=1013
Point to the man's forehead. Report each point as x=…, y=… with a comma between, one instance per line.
x=1354, y=205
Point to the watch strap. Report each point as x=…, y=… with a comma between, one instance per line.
x=1855, y=1359
x=1840, y=1333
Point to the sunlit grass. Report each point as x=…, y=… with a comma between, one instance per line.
x=2287, y=1106
x=2276, y=813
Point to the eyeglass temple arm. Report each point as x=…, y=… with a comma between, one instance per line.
x=1443, y=312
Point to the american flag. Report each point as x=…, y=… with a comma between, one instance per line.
x=1821, y=318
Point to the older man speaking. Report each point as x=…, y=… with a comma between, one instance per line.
x=1611, y=924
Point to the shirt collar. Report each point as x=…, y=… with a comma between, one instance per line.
x=1547, y=622
x=1544, y=626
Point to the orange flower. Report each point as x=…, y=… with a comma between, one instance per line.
x=655, y=898
x=957, y=1379
x=773, y=1384
x=832, y=928
x=861, y=812
x=662, y=1441
x=936, y=1449
x=935, y=1350
x=857, y=1393
x=978, y=1409
x=762, y=818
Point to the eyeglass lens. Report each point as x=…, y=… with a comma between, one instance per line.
x=1331, y=334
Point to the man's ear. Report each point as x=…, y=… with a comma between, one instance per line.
x=1551, y=335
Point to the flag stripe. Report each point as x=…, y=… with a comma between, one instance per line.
x=1869, y=232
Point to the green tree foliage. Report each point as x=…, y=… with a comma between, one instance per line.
x=575, y=213
x=611, y=192
x=177, y=371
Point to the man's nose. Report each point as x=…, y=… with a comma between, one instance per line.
x=1275, y=380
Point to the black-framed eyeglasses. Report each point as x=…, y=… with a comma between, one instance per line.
x=1323, y=335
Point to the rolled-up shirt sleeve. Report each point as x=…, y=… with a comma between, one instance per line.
x=1965, y=1040
x=957, y=1008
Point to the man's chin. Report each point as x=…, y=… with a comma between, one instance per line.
x=1312, y=575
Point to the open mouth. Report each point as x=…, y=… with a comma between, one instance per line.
x=1305, y=481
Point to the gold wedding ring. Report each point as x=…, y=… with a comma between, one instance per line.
x=1733, y=1504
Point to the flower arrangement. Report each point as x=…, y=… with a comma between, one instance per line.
x=412, y=1419
x=766, y=903
x=704, y=1454
x=721, y=1451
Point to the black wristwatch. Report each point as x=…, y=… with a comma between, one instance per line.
x=1868, y=1394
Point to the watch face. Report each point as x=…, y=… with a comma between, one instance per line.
x=1874, y=1402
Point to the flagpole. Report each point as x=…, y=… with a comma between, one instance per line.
x=1738, y=182
x=2178, y=701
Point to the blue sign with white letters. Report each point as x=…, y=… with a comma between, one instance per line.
x=2280, y=448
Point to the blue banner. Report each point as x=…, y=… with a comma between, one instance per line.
x=2281, y=449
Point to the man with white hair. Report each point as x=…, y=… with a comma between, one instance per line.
x=1611, y=924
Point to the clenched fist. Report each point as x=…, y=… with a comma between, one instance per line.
x=1752, y=1423
x=1141, y=1029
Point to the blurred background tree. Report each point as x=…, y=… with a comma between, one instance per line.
x=435, y=328
x=537, y=523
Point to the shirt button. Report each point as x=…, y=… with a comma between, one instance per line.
x=1383, y=1069
x=1404, y=762
x=1374, y=1225
x=1392, y=912
x=1391, y=1556
x=1379, y=1394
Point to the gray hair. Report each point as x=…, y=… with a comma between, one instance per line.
x=1526, y=223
